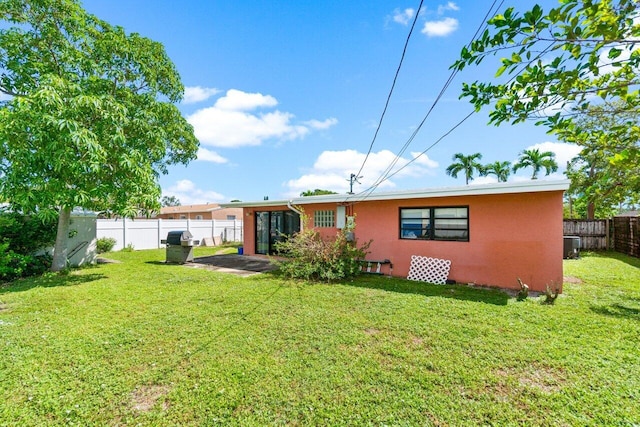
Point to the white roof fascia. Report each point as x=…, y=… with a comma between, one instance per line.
x=532, y=186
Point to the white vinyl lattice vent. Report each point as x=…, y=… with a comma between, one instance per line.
x=431, y=270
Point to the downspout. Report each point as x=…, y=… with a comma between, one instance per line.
x=290, y=206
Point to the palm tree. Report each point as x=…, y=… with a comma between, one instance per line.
x=535, y=159
x=468, y=164
x=501, y=170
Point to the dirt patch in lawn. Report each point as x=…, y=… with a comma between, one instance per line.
x=101, y=260
x=543, y=378
x=572, y=280
x=144, y=398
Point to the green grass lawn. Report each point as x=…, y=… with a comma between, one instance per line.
x=144, y=343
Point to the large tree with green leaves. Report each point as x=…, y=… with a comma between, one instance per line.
x=563, y=60
x=556, y=64
x=91, y=121
x=600, y=183
x=467, y=164
x=316, y=192
x=167, y=201
x=536, y=160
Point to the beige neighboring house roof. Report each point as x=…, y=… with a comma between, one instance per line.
x=207, y=207
x=629, y=213
x=202, y=211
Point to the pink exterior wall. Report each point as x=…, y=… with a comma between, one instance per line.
x=510, y=236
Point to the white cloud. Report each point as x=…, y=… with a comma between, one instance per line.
x=479, y=180
x=606, y=65
x=229, y=122
x=564, y=152
x=403, y=17
x=321, y=125
x=440, y=28
x=193, y=94
x=186, y=191
x=447, y=7
x=424, y=160
x=237, y=100
x=210, y=156
x=332, y=170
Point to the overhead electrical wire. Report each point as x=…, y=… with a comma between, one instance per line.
x=387, y=173
x=393, y=85
x=454, y=127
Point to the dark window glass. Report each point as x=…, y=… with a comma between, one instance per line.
x=435, y=223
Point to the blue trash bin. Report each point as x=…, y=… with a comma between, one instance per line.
x=240, y=250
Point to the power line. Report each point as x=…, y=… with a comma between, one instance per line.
x=540, y=54
x=387, y=172
x=393, y=85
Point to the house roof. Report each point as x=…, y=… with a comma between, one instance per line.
x=531, y=186
x=207, y=207
x=629, y=213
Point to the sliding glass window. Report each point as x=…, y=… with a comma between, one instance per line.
x=435, y=223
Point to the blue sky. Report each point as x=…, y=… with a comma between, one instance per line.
x=285, y=96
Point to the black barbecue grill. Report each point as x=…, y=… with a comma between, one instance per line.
x=179, y=246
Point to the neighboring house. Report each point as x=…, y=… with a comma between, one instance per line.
x=492, y=234
x=205, y=211
x=629, y=214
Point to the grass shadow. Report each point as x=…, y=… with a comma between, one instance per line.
x=160, y=263
x=459, y=292
x=632, y=261
x=619, y=310
x=49, y=280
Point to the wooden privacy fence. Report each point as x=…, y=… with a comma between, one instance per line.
x=621, y=234
x=594, y=234
x=627, y=235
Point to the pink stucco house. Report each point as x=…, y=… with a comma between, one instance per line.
x=492, y=234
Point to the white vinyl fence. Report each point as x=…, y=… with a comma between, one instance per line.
x=147, y=233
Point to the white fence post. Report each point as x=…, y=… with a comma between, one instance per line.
x=124, y=233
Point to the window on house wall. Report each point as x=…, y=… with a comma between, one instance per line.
x=435, y=223
x=324, y=219
x=198, y=216
x=231, y=217
x=183, y=217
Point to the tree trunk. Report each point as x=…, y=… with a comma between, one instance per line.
x=570, y=207
x=591, y=206
x=62, y=237
x=591, y=210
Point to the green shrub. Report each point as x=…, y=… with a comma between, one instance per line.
x=310, y=257
x=21, y=237
x=14, y=265
x=105, y=244
x=26, y=234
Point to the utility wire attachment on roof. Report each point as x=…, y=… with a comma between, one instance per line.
x=353, y=178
